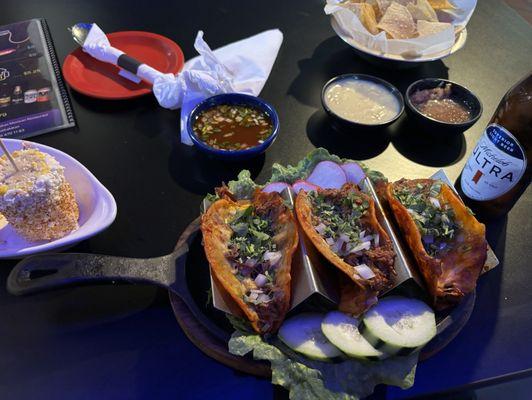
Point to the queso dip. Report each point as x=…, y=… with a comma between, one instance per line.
x=361, y=101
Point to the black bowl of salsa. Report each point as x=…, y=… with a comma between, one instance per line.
x=233, y=126
x=442, y=105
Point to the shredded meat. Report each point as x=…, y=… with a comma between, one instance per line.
x=380, y=259
x=411, y=184
x=223, y=192
x=269, y=312
x=268, y=205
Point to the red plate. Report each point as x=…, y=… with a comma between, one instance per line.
x=97, y=79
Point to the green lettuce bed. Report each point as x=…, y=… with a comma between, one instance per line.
x=307, y=379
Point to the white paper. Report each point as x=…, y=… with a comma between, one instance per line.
x=98, y=46
x=241, y=67
x=354, y=30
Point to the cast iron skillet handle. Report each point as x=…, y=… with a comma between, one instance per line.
x=180, y=287
x=45, y=272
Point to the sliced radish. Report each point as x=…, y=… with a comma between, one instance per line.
x=275, y=187
x=327, y=175
x=353, y=172
x=303, y=185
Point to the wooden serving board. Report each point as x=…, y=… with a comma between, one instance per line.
x=202, y=338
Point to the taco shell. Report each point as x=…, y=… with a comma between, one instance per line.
x=455, y=274
x=356, y=293
x=217, y=233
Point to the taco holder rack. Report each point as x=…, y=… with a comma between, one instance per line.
x=310, y=274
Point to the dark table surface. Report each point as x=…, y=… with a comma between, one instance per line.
x=122, y=341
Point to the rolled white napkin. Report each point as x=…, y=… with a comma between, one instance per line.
x=98, y=46
x=242, y=67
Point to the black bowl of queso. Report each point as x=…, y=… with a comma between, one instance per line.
x=442, y=105
x=233, y=126
x=359, y=101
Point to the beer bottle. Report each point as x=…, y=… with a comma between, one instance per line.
x=499, y=170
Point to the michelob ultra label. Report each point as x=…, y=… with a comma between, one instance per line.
x=496, y=165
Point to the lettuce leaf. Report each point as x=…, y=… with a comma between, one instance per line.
x=307, y=379
x=244, y=186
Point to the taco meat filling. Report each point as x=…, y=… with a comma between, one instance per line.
x=435, y=220
x=341, y=218
x=254, y=256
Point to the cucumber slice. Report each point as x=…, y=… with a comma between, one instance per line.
x=303, y=334
x=399, y=325
x=342, y=331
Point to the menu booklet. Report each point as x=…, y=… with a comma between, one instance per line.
x=33, y=98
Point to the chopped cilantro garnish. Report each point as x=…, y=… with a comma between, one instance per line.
x=339, y=216
x=435, y=221
x=252, y=235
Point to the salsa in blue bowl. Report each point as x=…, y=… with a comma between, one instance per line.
x=233, y=126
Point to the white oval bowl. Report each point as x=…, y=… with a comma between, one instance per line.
x=459, y=42
x=97, y=207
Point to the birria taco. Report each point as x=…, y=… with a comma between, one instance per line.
x=342, y=225
x=249, y=245
x=445, y=238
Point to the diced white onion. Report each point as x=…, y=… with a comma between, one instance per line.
x=344, y=238
x=337, y=246
x=320, y=228
x=330, y=241
x=361, y=246
x=250, y=262
x=253, y=295
x=272, y=256
x=362, y=233
x=435, y=202
x=263, y=298
x=376, y=239
x=428, y=239
x=364, y=271
x=366, y=238
x=261, y=280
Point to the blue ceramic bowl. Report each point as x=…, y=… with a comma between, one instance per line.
x=233, y=99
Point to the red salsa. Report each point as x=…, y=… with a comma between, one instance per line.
x=438, y=103
x=233, y=127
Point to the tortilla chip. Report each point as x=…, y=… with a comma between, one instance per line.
x=425, y=28
x=441, y=4
x=382, y=6
x=454, y=275
x=216, y=230
x=359, y=294
x=366, y=15
x=398, y=22
x=376, y=9
x=422, y=10
x=405, y=2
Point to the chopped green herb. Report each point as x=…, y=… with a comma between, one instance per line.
x=435, y=220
